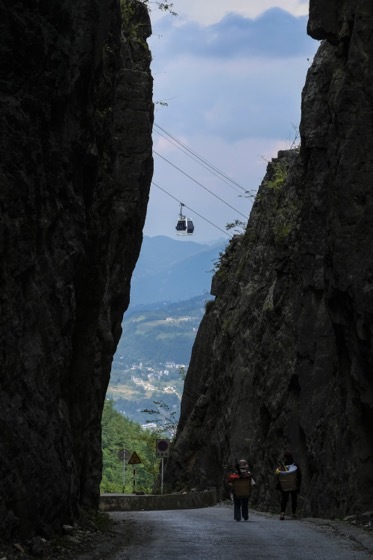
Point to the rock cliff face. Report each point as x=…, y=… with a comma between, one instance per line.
x=76, y=166
x=283, y=357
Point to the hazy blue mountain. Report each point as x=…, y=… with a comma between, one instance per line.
x=173, y=270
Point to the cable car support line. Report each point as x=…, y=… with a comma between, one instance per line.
x=202, y=161
x=191, y=209
x=207, y=166
x=200, y=184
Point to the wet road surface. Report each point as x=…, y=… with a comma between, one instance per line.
x=200, y=534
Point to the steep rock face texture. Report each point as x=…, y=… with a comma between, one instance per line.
x=76, y=165
x=283, y=357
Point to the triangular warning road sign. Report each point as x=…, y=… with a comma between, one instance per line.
x=134, y=459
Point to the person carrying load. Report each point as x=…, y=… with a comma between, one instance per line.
x=289, y=478
x=240, y=484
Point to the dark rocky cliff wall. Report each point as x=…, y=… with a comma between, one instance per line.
x=283, y=357
x=76, y=165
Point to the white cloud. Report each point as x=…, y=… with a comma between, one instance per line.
x=276, y=34
x=233, y=91
x=207, y=12
x=238, y=99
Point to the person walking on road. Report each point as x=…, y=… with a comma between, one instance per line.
x=240, y=484
x=289, y=478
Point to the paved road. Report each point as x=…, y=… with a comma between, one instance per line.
x=201, y=534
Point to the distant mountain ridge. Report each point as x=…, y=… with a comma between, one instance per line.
x=173, y=270
x=156, y=337
x=160, y=332
x=170, y=287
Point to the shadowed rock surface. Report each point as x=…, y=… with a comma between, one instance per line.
x=283, y=357
x=76, y=165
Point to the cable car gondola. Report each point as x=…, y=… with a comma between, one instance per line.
x=184, y=225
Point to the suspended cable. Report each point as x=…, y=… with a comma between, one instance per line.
x=194, y=212
x=204, y=162
x=200, y=184
x=198, y=157
x=199, y=162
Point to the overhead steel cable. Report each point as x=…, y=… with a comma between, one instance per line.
x=191, y=209
x=211, y=170
x=195, y=155
x=204, y=162
x=200, y=184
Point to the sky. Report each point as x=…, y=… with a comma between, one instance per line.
x=228, y=77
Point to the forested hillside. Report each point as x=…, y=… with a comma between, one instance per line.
x=155, y=347
x=120, y=434
x=160, y=333
x=153, y=355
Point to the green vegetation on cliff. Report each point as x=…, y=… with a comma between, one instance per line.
x=118, y=434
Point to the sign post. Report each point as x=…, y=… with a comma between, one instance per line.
x=134, y=460
x=123, y=456
x=162, y=451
